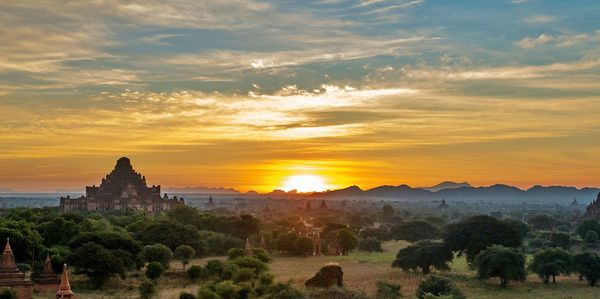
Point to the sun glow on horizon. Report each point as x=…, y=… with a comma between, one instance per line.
x=304, y=183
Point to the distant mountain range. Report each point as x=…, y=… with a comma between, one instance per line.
x=465, y=192
x=451, y=191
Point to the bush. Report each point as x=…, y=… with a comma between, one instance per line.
x=157, y=253
x=587, y=265
x=214, y=267
x=185, y=295
x=227, y=290
x=243, y=274
x=207, y=293
x=196, y=272
x=438, y=286
x=147, y=289
x=6, y=293
x=261, y=255
x=235, y=253
x=370, y=245
x=154, y=270
x=184, y=253
x=387, y=290
x=250, y=262
x=284, y=291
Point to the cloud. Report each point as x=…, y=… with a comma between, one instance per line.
x=559, y=41
x=539, y=19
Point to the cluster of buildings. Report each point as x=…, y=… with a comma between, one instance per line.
x=47, y=282
x=122, y=189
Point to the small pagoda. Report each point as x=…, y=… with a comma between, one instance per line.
x=64, y=289
x=248, y=248
x=11, y=277
x=443, y=204
x=308, y=207
x=48, y=280
x=323, y=205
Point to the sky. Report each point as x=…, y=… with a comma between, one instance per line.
x=247, y=94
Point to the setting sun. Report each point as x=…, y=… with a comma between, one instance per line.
x=304, y=183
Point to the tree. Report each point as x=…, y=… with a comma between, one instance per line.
x=186, y=295
x=96, y=262
x=587, y=265
x=58, y=231
x=195, y=272
x=438, y=285
x=387, y=211
x=120, y=244
x=347, y=240
x=591, y=239
x=550, y=263
x=541, y=222
x=304, y=246
x=473, y=235
x=184, y=253
x=172, y=234
x=424, y=255
x=586, y=226
x=413, y=231
x=381, y=234
x=158, y=253
x=154, y=270
x=521, y=227
x=147, y=289
x=562, y=240
x=370, y=245
x=7, y=293
x=24, y=239
x=503, y=262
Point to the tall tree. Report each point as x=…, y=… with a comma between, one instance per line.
x=502, y=262
x=473, y=235
x=413, y=231
x=347, y=240
x=551, y=262
x=588, y=266
x=423, y=254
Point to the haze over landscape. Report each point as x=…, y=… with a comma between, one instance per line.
x=300, y=95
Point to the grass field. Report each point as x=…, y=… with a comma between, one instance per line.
x=361, y=272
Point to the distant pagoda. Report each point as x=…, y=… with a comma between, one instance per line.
x=443, y=204
x=211, y=202
x=323, y=205
x=11, y=277
x=592, y=211
x=574, y=203
x=308, y=207
x=122, y=189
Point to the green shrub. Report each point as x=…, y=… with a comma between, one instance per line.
x=235, y=253
x=387, y=290
x=284, y=291
x=214, y=267
x=243, y=274
x=227, y=290
x=438, y=285
x=207, y=293
x=147, y=289
x=196, y=272
x=185, y=295
x=250, y=262
x=261, y=255
x=154, y=270
x=158, y=253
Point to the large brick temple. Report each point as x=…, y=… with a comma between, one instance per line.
x=122, y=189
x=592, y=211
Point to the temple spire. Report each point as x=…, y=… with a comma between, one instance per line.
x=7, y=261
x=64, y=290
